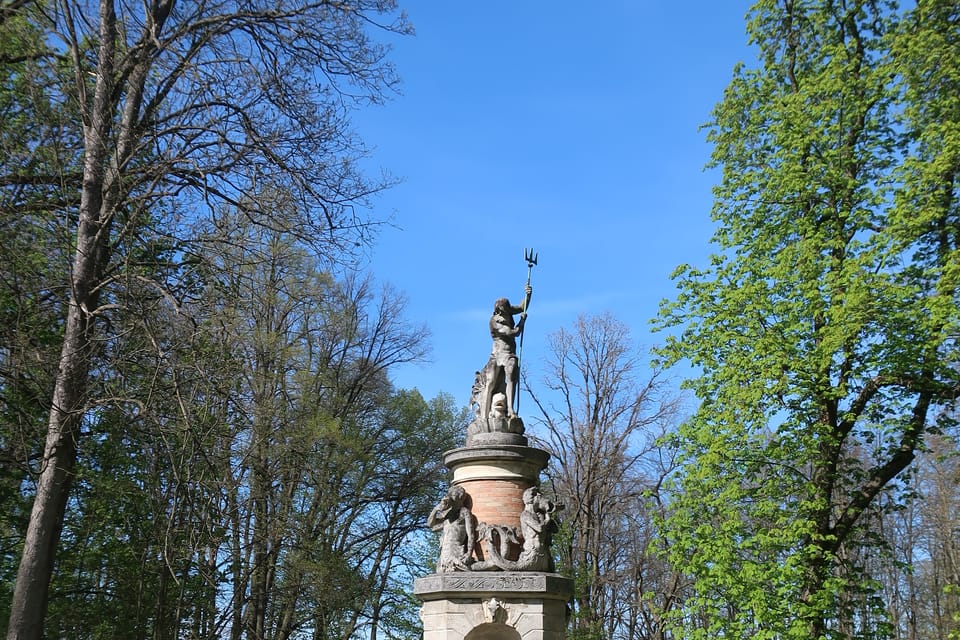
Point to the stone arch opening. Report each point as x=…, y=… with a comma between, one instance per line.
x=492, y=631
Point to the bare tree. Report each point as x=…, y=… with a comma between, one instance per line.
x=918, y=572
x=602, y=411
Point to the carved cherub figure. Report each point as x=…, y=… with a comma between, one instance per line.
x=457, y=540
x=537, y=527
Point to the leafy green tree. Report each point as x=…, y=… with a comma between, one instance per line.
x=823, y=329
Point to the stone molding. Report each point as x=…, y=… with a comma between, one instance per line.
x=498, y=462
x=506, y=584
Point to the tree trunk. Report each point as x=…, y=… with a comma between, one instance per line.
x=31, y=591
x=30, y=594
x=63, y=431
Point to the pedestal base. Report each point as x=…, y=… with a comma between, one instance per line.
x=501, y=605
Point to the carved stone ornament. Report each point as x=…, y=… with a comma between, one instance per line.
x=503, y=583
x=494, y=611
x=459, y=533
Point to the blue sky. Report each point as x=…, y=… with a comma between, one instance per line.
x=569, y=127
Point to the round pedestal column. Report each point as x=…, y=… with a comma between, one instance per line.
x=495, y=478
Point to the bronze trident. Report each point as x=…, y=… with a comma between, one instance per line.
x=531, y=259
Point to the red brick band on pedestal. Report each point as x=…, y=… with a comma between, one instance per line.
x=495, y=478
x=496, y=501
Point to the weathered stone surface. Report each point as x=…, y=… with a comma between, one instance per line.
x=502, y=584
x=453, y=518
x=503, y=606
x=492, y=438
x=513, y=619
x=495, y=385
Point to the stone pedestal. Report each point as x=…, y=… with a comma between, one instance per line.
x=494, y=471
x=487, y=605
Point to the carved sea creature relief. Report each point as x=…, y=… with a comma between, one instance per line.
x=537, y=526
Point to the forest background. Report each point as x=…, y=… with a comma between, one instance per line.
x=209, y=423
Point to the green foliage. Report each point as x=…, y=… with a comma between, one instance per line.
x=822, y=327
x=952, y=589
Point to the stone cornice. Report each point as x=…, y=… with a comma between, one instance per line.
x=499, y=453
x=467, y=584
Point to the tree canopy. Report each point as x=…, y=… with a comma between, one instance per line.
x=824, y=328
x=148, y=149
